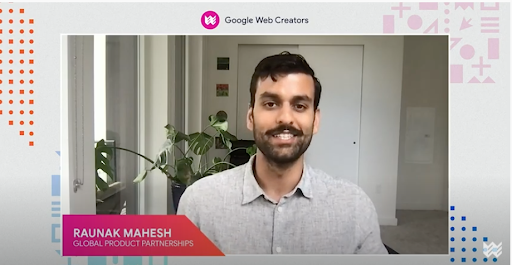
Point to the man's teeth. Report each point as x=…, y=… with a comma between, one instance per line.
x=284, y=136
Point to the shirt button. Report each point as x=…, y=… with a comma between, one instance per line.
x=280, y=209
x=278, y=250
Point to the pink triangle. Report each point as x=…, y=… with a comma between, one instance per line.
x=474, y=80
x=489, y=80
x=455, y=42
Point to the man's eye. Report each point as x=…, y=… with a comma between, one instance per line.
x=270, y=104
x=300, y=107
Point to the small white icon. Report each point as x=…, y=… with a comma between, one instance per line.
x=492, y=249
x=210, y=20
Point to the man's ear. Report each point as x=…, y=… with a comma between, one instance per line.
x=316, y=123
x=250, y=118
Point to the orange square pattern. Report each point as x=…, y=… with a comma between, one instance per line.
x=23, y=38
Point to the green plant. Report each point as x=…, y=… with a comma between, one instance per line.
x=175, y=163
x=102, y=157
x=251, y=150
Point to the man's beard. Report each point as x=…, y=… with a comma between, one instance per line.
x=284, y=155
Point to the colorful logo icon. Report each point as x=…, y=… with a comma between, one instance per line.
x=492, y=249
x=210, y=20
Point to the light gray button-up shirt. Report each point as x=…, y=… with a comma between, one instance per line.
x=322, y=215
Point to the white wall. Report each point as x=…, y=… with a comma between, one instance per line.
x=425, y=84
x=381, y=102
x=77, y=121
x=155, y=117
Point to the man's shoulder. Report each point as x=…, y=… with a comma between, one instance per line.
x=336, y=187
x=325, y=180
x=220, y=181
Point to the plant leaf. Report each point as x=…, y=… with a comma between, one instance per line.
x=184, y=170
x=200, y=143
x=174, y=135
x=102, y=156
x=228, y=136
x=101, y=184
x=163, y=157
x=218, y=123
x=142, y=175
x=251, y=150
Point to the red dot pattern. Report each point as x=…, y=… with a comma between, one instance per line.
x=16, y=71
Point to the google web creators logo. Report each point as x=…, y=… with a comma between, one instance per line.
x=210, y=20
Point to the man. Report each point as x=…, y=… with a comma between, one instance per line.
x=276, y=203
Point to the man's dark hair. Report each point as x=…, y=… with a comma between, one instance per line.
x=280, y=65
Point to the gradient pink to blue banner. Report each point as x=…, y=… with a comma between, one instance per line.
x=79, y=237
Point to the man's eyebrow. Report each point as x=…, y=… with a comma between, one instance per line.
x=269, y=95
x=301, y=98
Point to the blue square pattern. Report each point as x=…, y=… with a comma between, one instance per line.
x=463, y=239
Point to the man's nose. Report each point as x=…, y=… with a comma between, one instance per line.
x=285, y=115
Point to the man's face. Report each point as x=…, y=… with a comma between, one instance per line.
x=283, y=119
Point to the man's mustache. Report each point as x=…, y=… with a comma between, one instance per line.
x=282, y=128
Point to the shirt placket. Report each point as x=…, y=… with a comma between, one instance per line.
x=278, y=232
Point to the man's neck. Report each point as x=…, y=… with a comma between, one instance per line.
x=277, y=181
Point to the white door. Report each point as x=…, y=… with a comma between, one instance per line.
x=335, y=149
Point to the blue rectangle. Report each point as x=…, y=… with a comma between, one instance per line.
x=452, y=208
x=96, y=260
x=474, y=228
x=485, y=239
x=452, y=249
x=55, y=209
x=463, y=218
x=55, y=214
x=54, y=239
x=55, y=185
x=55, y=203
x=463, y=259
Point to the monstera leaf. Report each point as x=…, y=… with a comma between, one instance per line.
x=102, y=154
x=227, y=138
x=174, y=135
x=218, y=123
x=100, y=183
x=200, y=143
x=184, y=172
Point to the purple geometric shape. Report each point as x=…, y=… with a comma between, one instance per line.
x=401, y=9
x=493, y=48
x=414, y=22
x=455, y=42
x=495, y=7
x=474, y=80
x=388, y=24
x=488, y=80
x=481, y=66
x=464, y=5
x=434, y=26
x=428, y=6
x=465, y=24
x=490, y=31
x=467, y=52
x=490, y=25
x=456, y=73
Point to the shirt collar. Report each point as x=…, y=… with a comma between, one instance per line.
x=252, y=190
